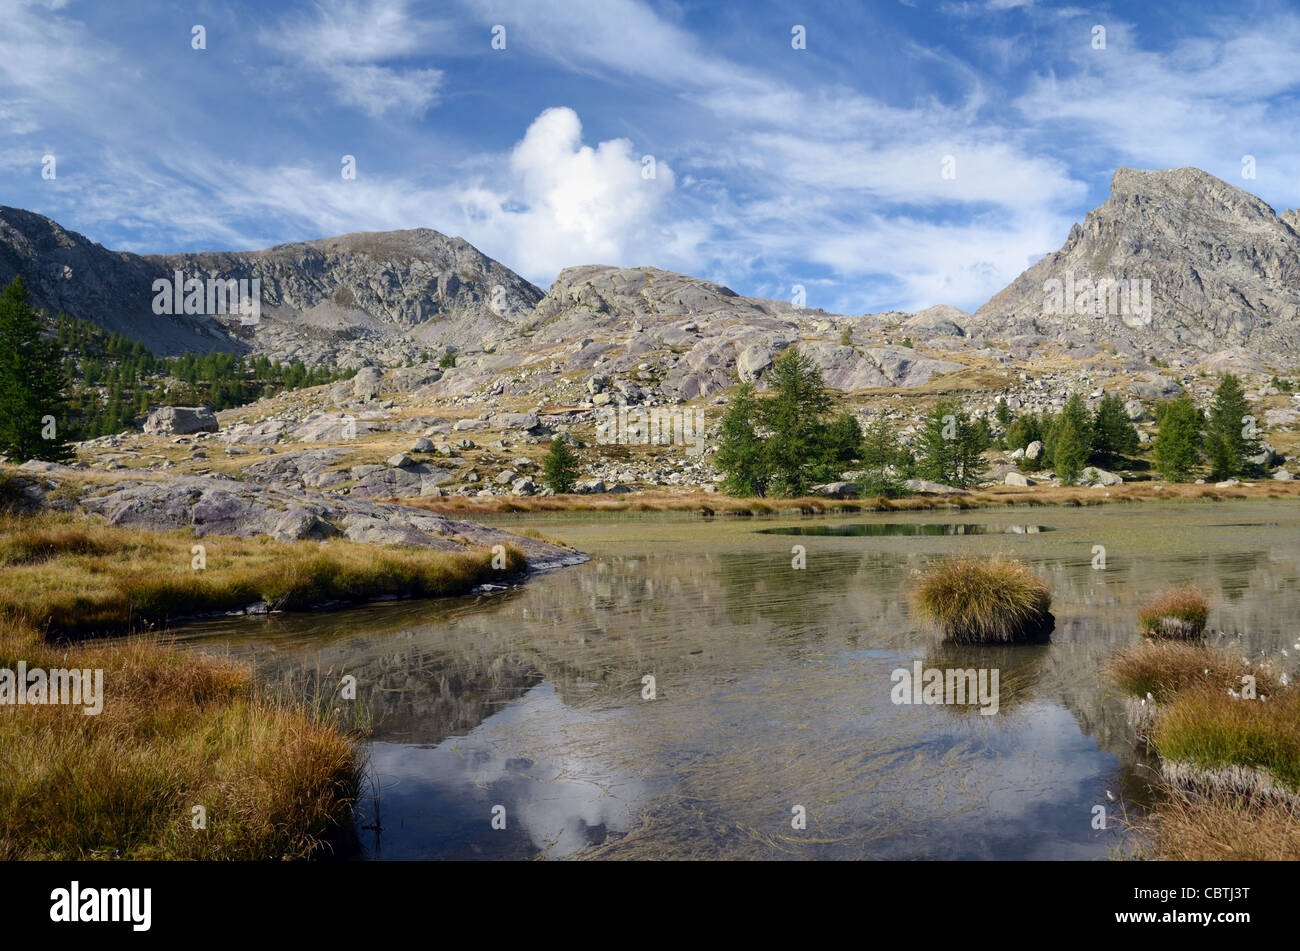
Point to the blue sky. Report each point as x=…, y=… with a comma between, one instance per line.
x=773, y=166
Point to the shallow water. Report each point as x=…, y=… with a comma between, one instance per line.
x=772, y=688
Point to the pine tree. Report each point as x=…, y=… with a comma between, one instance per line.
x=1178, y=442
x=951, y=446
x=1229, y=430
x=1114, y=433
x=741, y=456
x=793, y=416
x=1070, y=452
x=560, y=467
x=34, y=414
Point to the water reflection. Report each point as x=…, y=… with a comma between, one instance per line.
x=887, y=529
x=772, y=691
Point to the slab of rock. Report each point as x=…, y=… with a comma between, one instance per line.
x=1091, y=475
x=1017, y=478
x=522, y=421
x=932, y=488
x=181, y=421
x=225, y=507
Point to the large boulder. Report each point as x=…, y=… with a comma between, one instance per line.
x=1093, y=476
x=181, y=421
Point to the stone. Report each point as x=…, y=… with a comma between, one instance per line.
x=422, y=445
x=400, y=461
x=1282, y=475
x=1034, y=451
x=181, y=420
x=1017, y=478
x=1091, y=475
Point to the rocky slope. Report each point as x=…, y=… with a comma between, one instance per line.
x=66, y=272
x=1223, y=271
x=378, y=297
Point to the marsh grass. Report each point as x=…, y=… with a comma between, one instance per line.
x=983, y=600
x=80, y=578
x=1230, y=765
x=1178, y=614
x=1216, y=732
x=1218, y=826
x=1164, y=668
x=177, y=730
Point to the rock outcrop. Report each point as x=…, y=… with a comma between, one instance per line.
x=1195, y=263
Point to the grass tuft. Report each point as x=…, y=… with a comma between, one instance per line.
x=982, y=601
x=1179, y=614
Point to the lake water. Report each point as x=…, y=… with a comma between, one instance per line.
x=772, y=687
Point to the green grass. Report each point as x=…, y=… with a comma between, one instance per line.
x=1213, y=730
x=984, y=600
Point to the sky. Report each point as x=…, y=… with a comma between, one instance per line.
x=881, y=155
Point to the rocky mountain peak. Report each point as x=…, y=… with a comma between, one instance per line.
x=1190, y=262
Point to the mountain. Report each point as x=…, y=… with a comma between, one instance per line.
x=64, y=271
x=1198, y=265
x=371, y=297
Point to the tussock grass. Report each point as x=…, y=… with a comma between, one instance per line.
x=177, y=731
x=982, y=600
x=80, y=578
x=1216, y=732
x=1164, y=668
x=1179, y=613
x=1230, y=765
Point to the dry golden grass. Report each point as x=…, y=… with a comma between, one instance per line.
x=74, y=578
x=984, y=600
x=1231, y=763
x=1164, y=668
x=1220, y=826
x=176, y=731
x=1179, y=613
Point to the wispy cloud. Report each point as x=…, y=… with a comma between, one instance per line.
x=345, y=41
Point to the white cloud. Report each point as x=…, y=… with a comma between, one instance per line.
x=346, y=40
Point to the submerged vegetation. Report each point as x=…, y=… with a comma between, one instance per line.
x=982, y=600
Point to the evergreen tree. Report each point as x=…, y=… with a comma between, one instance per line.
x=1075, y=411
x=1114, y=434
x=560, y=467
x=1070, y=452
x=34, y=414
x=793, y=415
x=951, y=446
x=880, y=450
x=1003, y=413
x=741, y=456
x=1178, y=442
x=1229, y=430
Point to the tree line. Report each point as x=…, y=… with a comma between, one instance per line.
x=789, y=439
x=81, y=381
